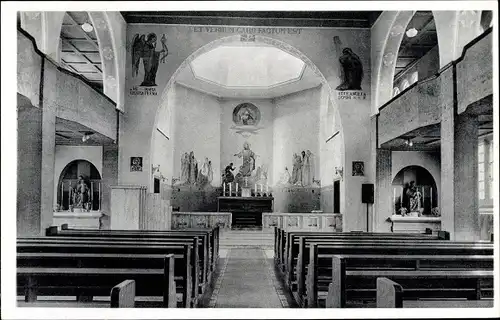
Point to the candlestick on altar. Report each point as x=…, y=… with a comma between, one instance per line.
x=230, y=193
x=255, y=188
x=431, y=199
x=236, y=189
x=394, y=197
x=224, y=189
x=267, y=188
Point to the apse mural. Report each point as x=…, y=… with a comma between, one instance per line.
x=246, y=117
x=144, y=47
x=351, y=68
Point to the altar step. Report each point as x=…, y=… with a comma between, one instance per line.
x=246, y=238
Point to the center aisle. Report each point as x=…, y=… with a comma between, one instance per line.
x=247, y=280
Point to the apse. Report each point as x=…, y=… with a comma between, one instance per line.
x=245, y=113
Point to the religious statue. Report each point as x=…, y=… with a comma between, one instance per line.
x=228, y=176
x=285, y=178
x=81, y=195
x=414, y=197
x=145, y=48
x=248, y=156
x=210, y=172
x=351, y=67
x=203, y=174
x=193, y=168
x=307, y=168
x=297, y=170
x=184, y=168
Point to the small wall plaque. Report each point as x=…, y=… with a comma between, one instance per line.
x=358, y=168
x=135, y=164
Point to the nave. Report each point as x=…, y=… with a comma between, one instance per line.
x=189, y=269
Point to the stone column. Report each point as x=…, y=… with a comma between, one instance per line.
x=109, y=176
x=459, y=166
x=36, y=156
x=29, y=163
x=383, y=188
x=466, y=179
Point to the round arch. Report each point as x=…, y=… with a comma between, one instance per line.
x=419, y=178
x=51, y=24
x=454, y=30
x=68, y=181
x=237, y=38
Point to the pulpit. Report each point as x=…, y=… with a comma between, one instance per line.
x=246, y=211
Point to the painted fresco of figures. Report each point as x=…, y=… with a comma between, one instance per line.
x=351, y=67
x=144, y=47
x=248, y=165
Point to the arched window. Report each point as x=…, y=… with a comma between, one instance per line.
x=414, y=77
x=395, y=91
x=79, y=187
x=404, y=85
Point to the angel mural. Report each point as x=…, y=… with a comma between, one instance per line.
x=145, y=48
x=351, y=67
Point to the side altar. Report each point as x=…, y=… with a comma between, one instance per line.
x=245, y=210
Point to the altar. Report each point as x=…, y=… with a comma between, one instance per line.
x=246, y=211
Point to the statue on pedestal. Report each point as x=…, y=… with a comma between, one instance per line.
x=248, y=165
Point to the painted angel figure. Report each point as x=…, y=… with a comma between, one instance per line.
x=351, y=71
x=145, y=48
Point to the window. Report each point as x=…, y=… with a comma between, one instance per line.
x=404, y=85
x=485, y=171
x=395, y=91
x=414, y=77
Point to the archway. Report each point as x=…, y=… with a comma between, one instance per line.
x=165, y=107
x=79, y=187
x=415, y=192
x=46, y=28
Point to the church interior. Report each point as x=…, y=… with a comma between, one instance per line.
x=255, y=159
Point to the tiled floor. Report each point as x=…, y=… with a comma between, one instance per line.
x=247, y=280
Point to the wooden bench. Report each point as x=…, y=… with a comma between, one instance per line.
x=297, y=261
x=376, y=261
x=205, y=273
x=287, y=243
x=116, y=256
x=391, y=294
x=85, y=283
x=213, y=235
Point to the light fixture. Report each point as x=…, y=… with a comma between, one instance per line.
x=409, y=143
x=411, y=32
x=86, y=136
x=87, y=27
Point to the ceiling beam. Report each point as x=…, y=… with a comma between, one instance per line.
x=86, y=36
x=78, y=52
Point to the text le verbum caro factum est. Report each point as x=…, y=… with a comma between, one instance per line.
x=248, y=30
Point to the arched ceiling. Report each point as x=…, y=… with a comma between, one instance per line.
x=248, y=71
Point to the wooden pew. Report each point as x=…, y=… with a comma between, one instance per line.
x=84, y=283
x=288, y=246
x=390, y=294
x=213, y=235
x=202, y=252
x=410, y=265
x=123, y=294
x=299, y=254
x=92, y=254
